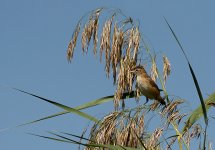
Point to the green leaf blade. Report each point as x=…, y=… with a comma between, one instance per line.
x=69, y=109
x=198, y=113
x=192, y=73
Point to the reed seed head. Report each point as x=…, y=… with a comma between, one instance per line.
x=166, y=68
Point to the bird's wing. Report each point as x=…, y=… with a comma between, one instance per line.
x=153, y=84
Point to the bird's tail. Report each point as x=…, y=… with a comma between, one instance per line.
x=161, y=100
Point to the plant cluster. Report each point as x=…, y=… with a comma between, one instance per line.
x=123, y=46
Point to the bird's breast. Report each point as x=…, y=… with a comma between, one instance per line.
x=142, y=84
x=145, y=87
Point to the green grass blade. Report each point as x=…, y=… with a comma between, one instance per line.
x=76, y=136
x=196, y=84
x=51, y=138
x=104, y=100
x=112, y=147
x=200, y=95
x=63, y=137
x=198, y=113
x=68, y=140
x=83, y=106
x=69, y=109
x=193, y=75
x=44, y=118
x=176, y=39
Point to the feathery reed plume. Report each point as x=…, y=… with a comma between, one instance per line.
x=154, y=70
x=84, y=39
x=171, y=112
x=105, y=37
x=72, y=43
x=95, y=30
x=91, y=30
x=154, y=106
x=166, y=68
x=119, y=128
x=105, y=43
x=152, y=143
x=86, y=36
x=121, y=45
x=125, y=79
x=194, y=133
x=136, y=43
x=116, y=50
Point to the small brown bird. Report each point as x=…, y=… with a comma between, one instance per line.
x=146, y=85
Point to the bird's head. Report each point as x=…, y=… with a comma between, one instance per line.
x=138, y=70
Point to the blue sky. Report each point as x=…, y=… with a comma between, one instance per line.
x=33, y=40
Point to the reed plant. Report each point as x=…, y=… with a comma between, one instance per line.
x=124, y=47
